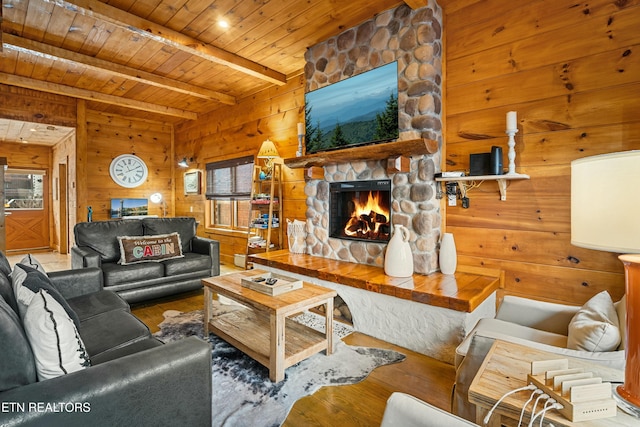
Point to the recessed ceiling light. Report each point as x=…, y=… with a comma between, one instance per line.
x=222, y=23
x=33, y=130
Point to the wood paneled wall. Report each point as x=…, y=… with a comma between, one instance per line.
x=572, y=72
x=34, y=106
x=109, y=136
x=238, y=131
x=63, y=153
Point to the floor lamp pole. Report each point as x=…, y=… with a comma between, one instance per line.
x=628, y=394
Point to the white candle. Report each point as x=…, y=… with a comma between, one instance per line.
x=512, y=120
x=300, y=128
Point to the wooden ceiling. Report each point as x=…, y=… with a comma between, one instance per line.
x=167, y=59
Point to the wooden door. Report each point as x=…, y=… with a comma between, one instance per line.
x=27, y=203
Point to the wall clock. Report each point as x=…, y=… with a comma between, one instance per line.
x=128, y=170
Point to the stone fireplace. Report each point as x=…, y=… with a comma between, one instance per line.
x=413, y=39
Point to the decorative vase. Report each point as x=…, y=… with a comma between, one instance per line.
x=448, y=257
x=398, y=260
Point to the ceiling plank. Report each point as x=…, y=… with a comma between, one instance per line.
x=100, y=65
x=28, y=83
x=148, y=29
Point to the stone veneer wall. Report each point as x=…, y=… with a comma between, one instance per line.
x=413, y=39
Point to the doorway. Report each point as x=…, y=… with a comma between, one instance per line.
x=26, y=194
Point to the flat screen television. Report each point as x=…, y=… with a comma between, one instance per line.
x=359, y=110
x=129, y=207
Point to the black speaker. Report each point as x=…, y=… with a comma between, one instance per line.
x=495, y=165
x=480, y=164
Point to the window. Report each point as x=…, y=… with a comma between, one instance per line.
x=24, y=189
x=228, y=193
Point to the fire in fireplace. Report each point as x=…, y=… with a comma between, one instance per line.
x=360, y=210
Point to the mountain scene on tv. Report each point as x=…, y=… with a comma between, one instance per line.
x=356, y=111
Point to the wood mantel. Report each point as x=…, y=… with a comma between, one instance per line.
x=464, y=291
x=368, y=152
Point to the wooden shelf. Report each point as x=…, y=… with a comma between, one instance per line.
x=368, y=152
x=249, y=331
x=502, y=181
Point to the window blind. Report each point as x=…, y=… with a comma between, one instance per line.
x=229, y=178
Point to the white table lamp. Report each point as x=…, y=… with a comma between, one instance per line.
x=605, y=215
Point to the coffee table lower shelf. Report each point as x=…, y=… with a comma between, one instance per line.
x=250, y=332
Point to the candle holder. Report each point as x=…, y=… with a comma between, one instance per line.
x=299, y=152
x=512, y=151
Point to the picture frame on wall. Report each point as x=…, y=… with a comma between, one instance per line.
x=192, y=182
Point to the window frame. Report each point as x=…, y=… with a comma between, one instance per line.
x=237, y=193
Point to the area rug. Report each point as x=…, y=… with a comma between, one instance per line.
x=243, y=395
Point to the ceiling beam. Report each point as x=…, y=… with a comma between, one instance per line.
x=25, y=82
x=129, y=73
x=175, y=39
x=416, y=4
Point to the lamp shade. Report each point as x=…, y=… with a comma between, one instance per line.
x=605, y=208
x=268, y=150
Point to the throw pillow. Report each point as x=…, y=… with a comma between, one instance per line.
x=18, y=275
x=30, y=261
x=35, y=280
x=134, y=249
x=595, y=326
x=54, y=339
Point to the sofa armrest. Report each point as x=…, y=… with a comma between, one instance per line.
x=202, y=245
x=152, y=387
x=74, y=283
x=83, y=257
x=545, y=316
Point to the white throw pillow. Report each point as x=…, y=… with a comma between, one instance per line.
x=31, y=261
x=595, y=326
x=54, y=339
x=18, y=275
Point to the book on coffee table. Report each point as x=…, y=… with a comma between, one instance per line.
x=271, y=283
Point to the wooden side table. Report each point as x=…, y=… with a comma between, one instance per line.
x=264, y=332
x=506, y=367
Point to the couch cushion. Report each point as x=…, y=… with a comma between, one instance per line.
x=102, y=236
x=115, y=274
x=595, y=326
x=111, y=330
x=191, y=262
x=95, y=303
x=33, y=282
x=507, y=331
x=18, y=365
x=6, y=291
x=158, y=247
x=184, y=226
x=5, y=267
x=54, y=339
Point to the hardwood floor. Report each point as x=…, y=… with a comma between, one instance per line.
x=359, y=404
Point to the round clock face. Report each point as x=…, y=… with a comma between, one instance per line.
x=128, y=170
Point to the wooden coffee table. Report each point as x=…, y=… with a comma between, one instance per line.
x=264, y=332
x=506, y=367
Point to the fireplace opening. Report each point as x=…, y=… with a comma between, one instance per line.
x=360, y=210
